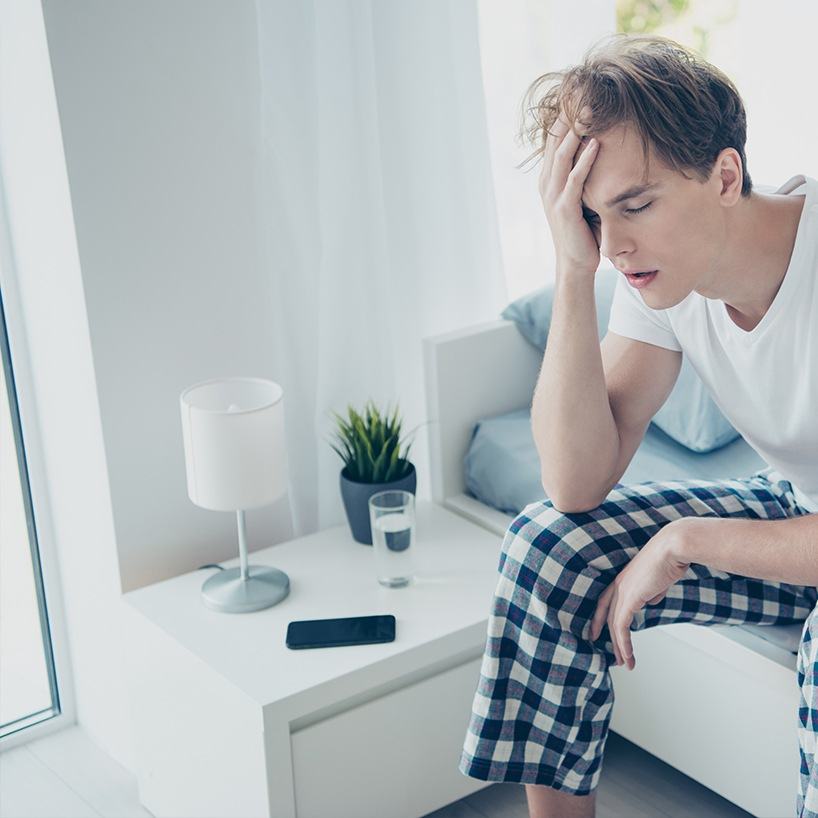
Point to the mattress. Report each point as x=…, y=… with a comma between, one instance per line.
x=502, y=470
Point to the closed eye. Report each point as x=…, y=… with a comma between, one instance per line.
x=639, y=209
x=592, y=217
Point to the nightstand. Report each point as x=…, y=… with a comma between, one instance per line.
x=228, y=721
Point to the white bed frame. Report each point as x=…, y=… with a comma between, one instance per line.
x=718, y=703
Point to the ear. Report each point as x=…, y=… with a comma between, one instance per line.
x=728, y=171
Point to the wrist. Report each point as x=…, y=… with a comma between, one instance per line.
x=680, y=539
x=574, y=281
x=569, y=270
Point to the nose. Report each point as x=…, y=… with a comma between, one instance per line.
x=614, y=242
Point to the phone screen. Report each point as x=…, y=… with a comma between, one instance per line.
x=352, y=630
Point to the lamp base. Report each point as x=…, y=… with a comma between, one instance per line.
x=263, y=588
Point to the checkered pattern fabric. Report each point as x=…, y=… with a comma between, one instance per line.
x=544, y=699
x=807, y=806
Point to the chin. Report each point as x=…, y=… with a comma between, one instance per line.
x=658, y=300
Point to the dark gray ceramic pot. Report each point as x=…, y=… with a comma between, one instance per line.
x=356, y=501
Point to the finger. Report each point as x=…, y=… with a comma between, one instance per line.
x=601, y=612
x=584, y=117
x=626, y=646
x=582, y=126
x=612, y=631
x=579, y=173
x=563, y=160
x=553, y=139
x=617, y=652
x=554, y=136
x=596, y=618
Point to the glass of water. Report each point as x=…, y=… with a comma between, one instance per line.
x=392, y=517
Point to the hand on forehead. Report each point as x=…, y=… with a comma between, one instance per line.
x=582, y=121
x=580, y=126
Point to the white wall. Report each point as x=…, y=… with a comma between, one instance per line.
x=159, y=111
x=159, y=287
x=43, y=295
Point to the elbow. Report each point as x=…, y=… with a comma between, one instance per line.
x=575, y=508
x=571, y=503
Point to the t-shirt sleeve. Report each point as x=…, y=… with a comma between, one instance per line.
x=631, y=317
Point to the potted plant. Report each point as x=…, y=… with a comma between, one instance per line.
x=369, y=445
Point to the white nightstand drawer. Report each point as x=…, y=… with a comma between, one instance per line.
x=396, y=755
x=230, y=721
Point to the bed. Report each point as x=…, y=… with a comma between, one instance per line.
x=719, y=703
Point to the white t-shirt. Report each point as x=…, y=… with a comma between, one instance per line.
x=765, y=381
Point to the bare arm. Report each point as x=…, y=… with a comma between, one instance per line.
x=593, y=403
x=571, y=420
x=776, y=550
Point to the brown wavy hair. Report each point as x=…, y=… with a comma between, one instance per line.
x=684, y=107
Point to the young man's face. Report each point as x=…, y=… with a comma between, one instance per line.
x=679, y=233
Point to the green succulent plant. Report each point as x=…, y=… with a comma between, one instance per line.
x=369, y=445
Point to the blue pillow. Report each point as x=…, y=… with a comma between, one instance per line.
x=689, y=414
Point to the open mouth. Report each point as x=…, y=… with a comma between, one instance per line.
x=641, y=279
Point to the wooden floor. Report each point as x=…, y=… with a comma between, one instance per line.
x=65, y=775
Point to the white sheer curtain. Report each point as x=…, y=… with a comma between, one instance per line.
x=379, y=217
x=519, y=41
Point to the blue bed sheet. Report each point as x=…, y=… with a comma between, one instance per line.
x=503, y=471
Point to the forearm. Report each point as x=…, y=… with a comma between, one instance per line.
x=572, y=423
x=779, y=550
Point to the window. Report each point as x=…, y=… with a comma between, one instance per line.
x=28, y=684
x=768, y=58
x=519, y=42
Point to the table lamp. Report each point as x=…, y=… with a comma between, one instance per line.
x=236, y=459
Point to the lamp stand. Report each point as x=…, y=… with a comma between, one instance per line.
x=248, y=587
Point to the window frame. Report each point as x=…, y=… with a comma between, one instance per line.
x=31, y=465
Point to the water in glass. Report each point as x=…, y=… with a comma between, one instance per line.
x=392, y=519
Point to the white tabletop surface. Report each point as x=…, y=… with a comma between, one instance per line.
x=331, y=575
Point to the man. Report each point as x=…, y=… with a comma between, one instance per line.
x=643, y=162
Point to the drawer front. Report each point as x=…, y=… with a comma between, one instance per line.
x=393, y=757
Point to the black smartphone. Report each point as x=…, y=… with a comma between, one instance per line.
x=333, y=633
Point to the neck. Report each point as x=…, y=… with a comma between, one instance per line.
x=759, y=235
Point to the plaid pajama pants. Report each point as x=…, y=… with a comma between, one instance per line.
x=544, y=700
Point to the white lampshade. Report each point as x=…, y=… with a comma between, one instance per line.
x=235, y=450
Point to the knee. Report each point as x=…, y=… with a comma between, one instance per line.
x=544, y=540
x=547, y=566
